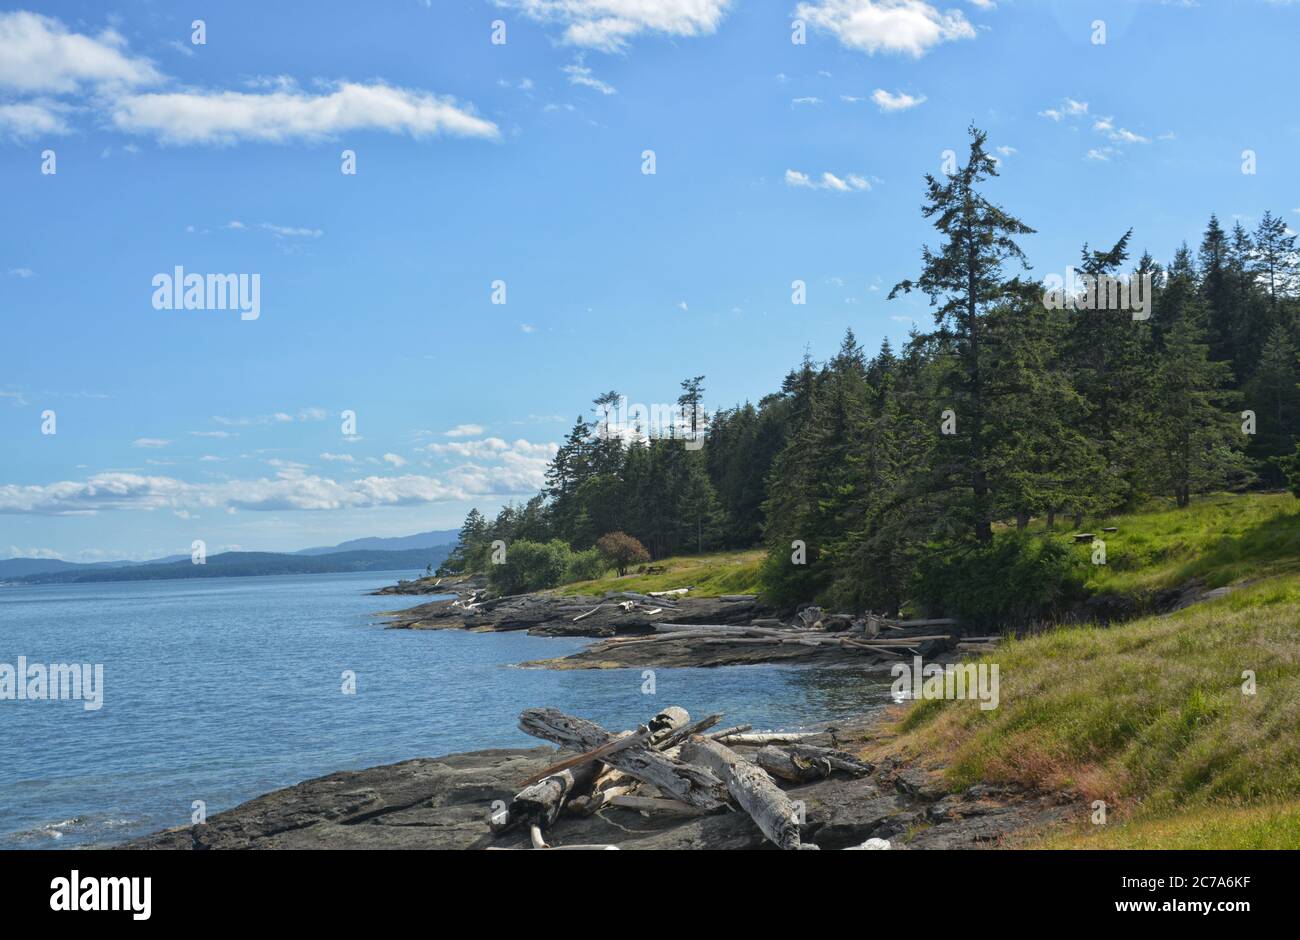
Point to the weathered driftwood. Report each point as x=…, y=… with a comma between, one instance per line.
x=667, y=722
x=751, y=787
x=769, y=737
x=693, y=785
x=801, y=763
x=728, y=732
x=617, y=743
x=681, y=733
x=648, y=804
x=541, y=802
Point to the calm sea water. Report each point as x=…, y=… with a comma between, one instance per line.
x=220, y=690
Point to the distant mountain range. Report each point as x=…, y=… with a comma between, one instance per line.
x=399, y=544
x=413, y=552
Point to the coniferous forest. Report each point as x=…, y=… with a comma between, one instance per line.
x=898, y=475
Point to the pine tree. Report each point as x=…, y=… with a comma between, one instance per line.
x=1274, y=259
x=963, y=280
x=1194, y=438
x=1274, y=397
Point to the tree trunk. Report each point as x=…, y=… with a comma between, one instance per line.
x=777, y=817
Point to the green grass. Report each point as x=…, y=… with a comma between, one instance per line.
x=1150, y=715
x=1252, y=827
x=706, y=575
x=1220, y=539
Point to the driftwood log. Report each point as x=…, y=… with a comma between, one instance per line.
x=803, y=763
x=768, y=737
x=540, y=803
x=674, y=779
x=751, y=787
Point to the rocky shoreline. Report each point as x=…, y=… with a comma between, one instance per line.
x=671, y=629
x=449, y=802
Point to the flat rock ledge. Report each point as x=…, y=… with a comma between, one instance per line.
x=446, y=802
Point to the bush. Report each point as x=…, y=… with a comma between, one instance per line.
x=622, y=551
x=1015, y=580
x=585, y=566
x=530, y=566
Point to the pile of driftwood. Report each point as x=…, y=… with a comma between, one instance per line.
x=671, y=764
x=879, y=636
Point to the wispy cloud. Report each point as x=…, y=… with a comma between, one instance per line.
x=849, y=183
x=607, y=25
x=580, y=74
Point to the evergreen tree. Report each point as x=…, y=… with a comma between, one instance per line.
x=963, y=280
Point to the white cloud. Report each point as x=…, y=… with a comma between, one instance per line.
x=27, y=119
x=849, y=183
x=1069, y=108
x=279, y=417
x=39, y=54
x=464, y=430
x=227, y=117
x=16, y=552
x=910, y=27
x=283, y=231
x=608, y=24
x=339, y=458
x=395, y=460
x=290, y=490
x=151, y=442
x=22, y=272
x=580, y=74
x=492, y=448
x=899, y=101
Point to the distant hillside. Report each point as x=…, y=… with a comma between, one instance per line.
x=399, y=543
x=242, y=565
x=24, y=569
x=20, y=567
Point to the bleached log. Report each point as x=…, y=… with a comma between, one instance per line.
x=667, y=722
x=540, y=803
x=751, y=787
x=616, y=743
x=801, y=763
x=693, y=785
x=769, y=737
x=728, y=732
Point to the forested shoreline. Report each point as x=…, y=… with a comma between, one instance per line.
x=898, y=479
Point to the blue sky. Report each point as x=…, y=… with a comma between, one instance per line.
x=522, y=162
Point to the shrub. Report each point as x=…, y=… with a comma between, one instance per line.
x=622, y=551
x=585, y=566
x=1015, y=580
x=530, y=566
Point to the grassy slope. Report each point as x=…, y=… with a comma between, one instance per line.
x=1219, y=539
x=1150, y=715
x=706, y=575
